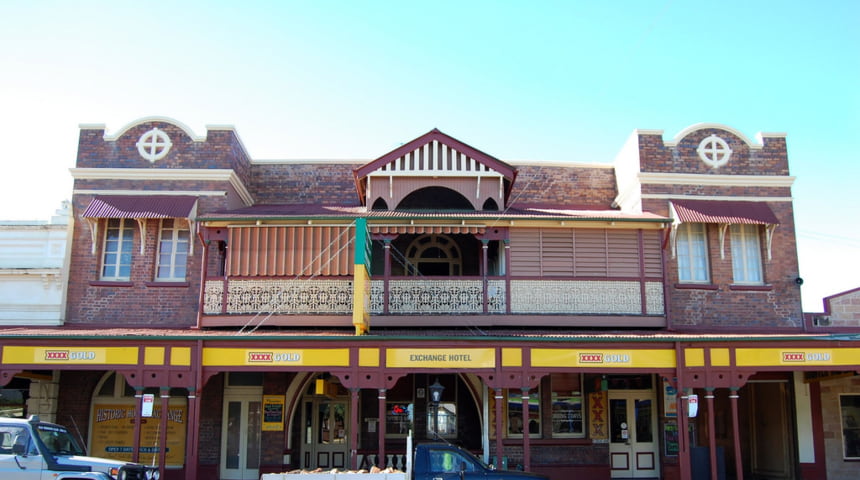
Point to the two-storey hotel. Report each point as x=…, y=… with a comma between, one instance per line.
x=634, y=319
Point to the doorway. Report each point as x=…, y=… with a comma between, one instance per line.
x=633, y=444
x=766, y=412
x=324, y=436
x=240, y=433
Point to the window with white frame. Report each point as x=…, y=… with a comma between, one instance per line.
x=746, y=254
x=849, y=409
x=117, y=249
x=172, y=251
x=692, y=252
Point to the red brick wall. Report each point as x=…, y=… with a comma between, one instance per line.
x=211, y=411
x=140, y=301
x=291, y=183
x=553, y=185
x=221, y=149
x=771, y=159
x=719, y=306
x=74, y=400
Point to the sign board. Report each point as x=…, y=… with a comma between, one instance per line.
x=113, y=433
x=148, y=402
x=273, y=413
x=692, y=406
x=670, y=399
x=441, y=357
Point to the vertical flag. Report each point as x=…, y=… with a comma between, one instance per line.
x=361, y=282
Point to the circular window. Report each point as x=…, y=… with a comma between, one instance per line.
x=714, y=151
x=154, y=145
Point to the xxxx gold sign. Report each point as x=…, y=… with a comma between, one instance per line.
x=753, y=357
x=70, y=355
x=644, y=358
x=323, y=357
x=441, y=357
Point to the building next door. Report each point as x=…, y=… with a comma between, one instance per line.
x=240, y=433
x=324, y=435
x=633, y=443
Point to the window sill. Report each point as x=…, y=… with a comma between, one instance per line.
x=168, y=284
x=751, y=288
x=696, y=286
x=109, y=283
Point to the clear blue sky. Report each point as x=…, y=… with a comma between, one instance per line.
x=528, y=80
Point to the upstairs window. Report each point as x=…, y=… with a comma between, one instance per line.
x=692, y=252
x=746, y=254
x=172, y=251
x=117, y=249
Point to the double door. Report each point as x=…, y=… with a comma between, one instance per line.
x=325, y=441
x=240, y=434
x=633, y=443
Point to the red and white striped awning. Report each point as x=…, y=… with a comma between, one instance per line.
x=723, y=212
x=141, y=206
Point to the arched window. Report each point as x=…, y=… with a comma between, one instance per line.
x=379, y=204
x=434, y=254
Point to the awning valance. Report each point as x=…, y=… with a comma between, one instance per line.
x=424, y=229
x=723, y=212
x=141, y=206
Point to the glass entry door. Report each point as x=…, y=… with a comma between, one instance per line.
x=240, y=436
x=325, y=433
x=633, y=447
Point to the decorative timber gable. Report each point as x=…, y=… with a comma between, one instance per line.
x=435, y=161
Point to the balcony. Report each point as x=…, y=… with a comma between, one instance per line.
x=441, y=301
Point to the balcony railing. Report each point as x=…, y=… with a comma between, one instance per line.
x=410, y=296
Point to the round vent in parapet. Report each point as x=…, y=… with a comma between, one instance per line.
x=714, y=151
x=154, y=145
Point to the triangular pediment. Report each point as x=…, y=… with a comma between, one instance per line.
x=435, y=154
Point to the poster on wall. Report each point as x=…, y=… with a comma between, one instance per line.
x=670, y=438
x=670, y=399
x=598, y=416
x=273, y=413
x=113, y=434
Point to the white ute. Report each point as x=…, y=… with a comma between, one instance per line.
x=35, y=450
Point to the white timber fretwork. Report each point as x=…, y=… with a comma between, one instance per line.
x=435, y=159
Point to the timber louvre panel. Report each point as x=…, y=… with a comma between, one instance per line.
x=598, y=253
x=282, y=251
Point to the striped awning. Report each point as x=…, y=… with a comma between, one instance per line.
x=423, y=229
x=141, y=206
x=723, y=212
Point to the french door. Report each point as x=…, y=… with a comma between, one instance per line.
x=326, y=421
x=240, y=434
x=633, y=443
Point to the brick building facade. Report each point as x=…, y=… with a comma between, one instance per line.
x=297, y=314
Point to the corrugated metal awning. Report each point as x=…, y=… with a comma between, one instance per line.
x=723, y=212
x=141, y=206
x=422, y=229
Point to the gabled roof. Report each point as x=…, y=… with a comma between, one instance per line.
x=455, y=148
